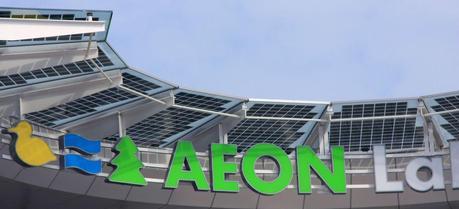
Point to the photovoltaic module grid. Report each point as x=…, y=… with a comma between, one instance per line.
x=75, y=68
x=360, y=135
x=154, y=130
x=279, y=132
x=446, y=104
x=92, y=103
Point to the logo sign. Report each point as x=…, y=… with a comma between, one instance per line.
x=30, y=150
x=306, y=160
x=87, y=146
x=185, y=165
x=127, y=164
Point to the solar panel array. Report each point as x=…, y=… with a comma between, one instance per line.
x=452, y=118
x=279, y=132
x=360, y=135
x=47, y=16
x=91, y=103
x=154, y=130
x=75, y=68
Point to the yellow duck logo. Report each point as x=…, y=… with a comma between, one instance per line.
x=31, y=150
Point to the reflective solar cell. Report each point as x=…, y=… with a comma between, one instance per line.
x=5, y=14
x=27, y=75
x=279, y=132
x=200, y=101
x=360, y=135
x=276, y=110
x=137, y=83
x=88, y=104
x=18, y=79
x=50, y=72
x=61, y=70
x=38, y=73
x=6, y=81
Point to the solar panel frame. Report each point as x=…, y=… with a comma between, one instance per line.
x=84, y=67
x=97, y=102
x=360, y=135
x=446, y=123
x=284, y=133
x=173, y=123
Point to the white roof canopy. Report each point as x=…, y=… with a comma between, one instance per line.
x=18, y=29
x=27, y=58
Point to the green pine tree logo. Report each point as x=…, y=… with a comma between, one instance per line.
x=127, y=164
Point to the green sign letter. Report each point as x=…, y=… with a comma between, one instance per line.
x=284, y=165
x=307, y=159
x=220, y=168
x=185, y=156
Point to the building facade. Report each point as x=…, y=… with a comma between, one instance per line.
x=70, y=80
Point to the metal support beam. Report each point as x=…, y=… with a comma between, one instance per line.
x=19, y=29
x=428, y=128
x=21, y=108
x=324, y=143
x=121, y=129
x=223, y=137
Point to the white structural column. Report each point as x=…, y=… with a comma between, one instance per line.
x=121, y=129
x=18, y=29
x=429, y=138
x=324, y=141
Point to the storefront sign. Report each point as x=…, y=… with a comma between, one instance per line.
x=186, y=167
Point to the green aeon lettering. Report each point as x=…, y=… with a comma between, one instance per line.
x=307, y=159
x=220, y=168
x=185, y=157
x=284, y=166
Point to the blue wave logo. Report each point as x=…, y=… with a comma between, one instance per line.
x=81, y=163
x=82, y=145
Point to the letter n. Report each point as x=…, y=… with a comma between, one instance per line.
x=307, y=159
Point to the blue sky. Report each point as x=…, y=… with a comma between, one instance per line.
x=302, y=50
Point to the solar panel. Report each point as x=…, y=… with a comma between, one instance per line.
x=286, y=111
x=75, y=68
x=154, y=129
x=448, y=121
x=169, y=124
x=360, y=135
x=91, y=103
x=45, y=14
x=200, y=101
x=137, y=83
x=283, y=133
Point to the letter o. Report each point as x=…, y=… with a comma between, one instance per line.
x=279, y=156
